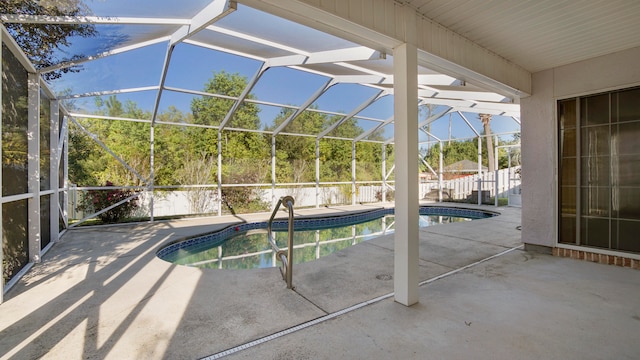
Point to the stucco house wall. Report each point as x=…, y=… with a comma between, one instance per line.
x=539, y=132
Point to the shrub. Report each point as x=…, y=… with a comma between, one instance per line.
x=390, y=195
x=96, y=200
x=243, y=200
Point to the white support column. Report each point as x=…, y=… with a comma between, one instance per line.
x=54, y=135
x=33, y=182
x=405, y=66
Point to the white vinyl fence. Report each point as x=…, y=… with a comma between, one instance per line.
x=466, y=188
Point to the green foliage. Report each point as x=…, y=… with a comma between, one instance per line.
x=179, y=159
x=243, y=152
x=335, y=157
x=81, y=152
x=244, y=199
x=187, y=155
x=296, y=154
x=209, y=110
x=89, y=164
x=390, y=195
x=368, y=161
x=96, y=200
x=41, y=42
x=454, y=151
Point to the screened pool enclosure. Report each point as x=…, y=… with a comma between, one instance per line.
x=119, y=110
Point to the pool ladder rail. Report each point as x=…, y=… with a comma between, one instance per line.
x=285, y=256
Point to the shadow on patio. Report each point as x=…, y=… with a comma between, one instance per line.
x=102, y=293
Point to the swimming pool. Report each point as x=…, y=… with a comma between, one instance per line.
x=245, y=246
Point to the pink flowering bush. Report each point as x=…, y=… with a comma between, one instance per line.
x=96, y=200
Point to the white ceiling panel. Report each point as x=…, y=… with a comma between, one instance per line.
x=542, y=34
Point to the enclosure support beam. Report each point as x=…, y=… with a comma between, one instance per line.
x=94, y=137
x=497, y=184
x=405, y=73
x=352, y=113
x=219, y=173
x=384, y=173
x=33, y=149
x=54, y=161
x=61, y=138
x=479, y=170
x=427, y=165
x=1, y=221
x=508, y=175
x=304, y=106
x=388, y=175
x=353, y=173
x=317, y=173
x=440, y=166
x=273, y=172
x=366, y=134
x=65, y=168
x=152, y=171
x=243, y=96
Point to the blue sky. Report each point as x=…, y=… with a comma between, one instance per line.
x=192, y=66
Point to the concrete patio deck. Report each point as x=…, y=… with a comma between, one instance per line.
x=101, y=293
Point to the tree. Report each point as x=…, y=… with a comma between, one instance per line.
x=209, y=110
x=516, y=155
x=198, y=170
x=173, y=145
x=180, y=151
x=81, y=150
x=128, y=140
x=44, y=44
x=453, y=152
x=245, y=153
x=295, y=155
x=187, y=155
x=486, y=123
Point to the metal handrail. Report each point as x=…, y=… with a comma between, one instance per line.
x=287, y=258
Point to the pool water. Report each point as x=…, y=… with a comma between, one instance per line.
x=249, y=249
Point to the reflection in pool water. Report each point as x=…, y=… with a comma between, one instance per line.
x=251, y=249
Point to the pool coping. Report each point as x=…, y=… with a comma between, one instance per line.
x=312, y=222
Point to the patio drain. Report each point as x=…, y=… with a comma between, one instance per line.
x=384, y=277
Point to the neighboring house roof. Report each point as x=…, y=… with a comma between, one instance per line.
x=464, y=166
